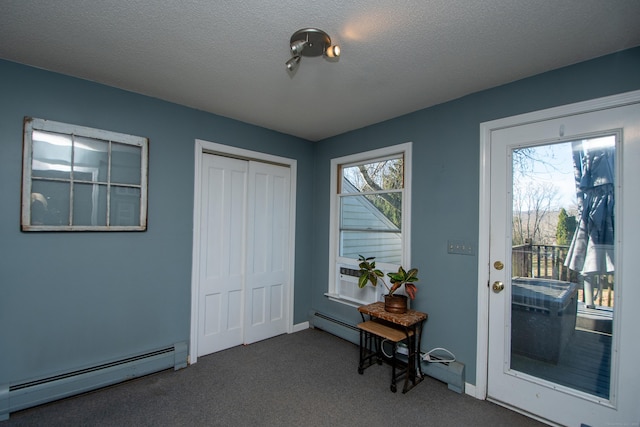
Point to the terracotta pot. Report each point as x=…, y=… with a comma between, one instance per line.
x=395, y=304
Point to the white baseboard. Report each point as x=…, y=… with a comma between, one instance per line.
x=300, y=327
x=470, y=389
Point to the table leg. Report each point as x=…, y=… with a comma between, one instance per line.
x=414, y=368
x=362, y=350
x=394, y=387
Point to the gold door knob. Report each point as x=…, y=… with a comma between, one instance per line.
x=498, y=287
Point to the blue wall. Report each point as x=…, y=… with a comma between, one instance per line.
x=446, y=149
x=73, y=299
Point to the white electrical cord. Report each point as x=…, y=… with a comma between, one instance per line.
x=382, y=348
x=429, y=357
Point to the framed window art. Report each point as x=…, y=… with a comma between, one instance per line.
x=77, y=178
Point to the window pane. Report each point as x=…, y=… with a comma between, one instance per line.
x=386, y=247
x=371, y=212
x=49, y=202
x=563, y=270
x=374, y=176
x=90, y=159
x=125, y=164
x=367, y=227
x=51, y=155
x=89, y=204
x=125, y=206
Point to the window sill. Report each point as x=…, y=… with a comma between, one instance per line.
x=346, y=301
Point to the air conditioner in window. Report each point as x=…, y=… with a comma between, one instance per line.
x=347, y=285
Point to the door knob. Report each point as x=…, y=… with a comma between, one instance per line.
x=498, y=287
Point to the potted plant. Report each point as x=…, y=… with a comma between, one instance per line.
x=393, y=303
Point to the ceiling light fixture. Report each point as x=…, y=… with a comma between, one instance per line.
x=293, y=63
x=297, y=46
x=310, y=42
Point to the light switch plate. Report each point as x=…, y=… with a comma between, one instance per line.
x=460, y=247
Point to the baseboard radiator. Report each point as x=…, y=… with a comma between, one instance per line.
x=334, y=326
x=450, y=373
x=15, y=397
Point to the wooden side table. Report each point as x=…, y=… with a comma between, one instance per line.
x=394, y=328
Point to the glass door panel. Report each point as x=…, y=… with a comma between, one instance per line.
x=562, y=262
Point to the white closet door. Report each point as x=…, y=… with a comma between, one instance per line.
x=244, y=252
x=267, y=284
x=223, y=219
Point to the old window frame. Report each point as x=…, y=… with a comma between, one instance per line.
x=104, y=218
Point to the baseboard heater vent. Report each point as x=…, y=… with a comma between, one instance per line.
x=336, y=321
x=15, y=397
x=450, y=373
x=334, y=326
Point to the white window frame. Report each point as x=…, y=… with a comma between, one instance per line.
x=34, y=124
x=335, y=261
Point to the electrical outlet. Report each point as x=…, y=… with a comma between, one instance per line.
x=460, y=247
x=402, y=349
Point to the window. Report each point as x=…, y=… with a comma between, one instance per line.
x=78, y=178
x=370, y=205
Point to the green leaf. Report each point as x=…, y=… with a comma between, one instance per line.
x=395, y=277
x=362, y=281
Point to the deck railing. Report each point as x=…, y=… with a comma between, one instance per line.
x=547, y=262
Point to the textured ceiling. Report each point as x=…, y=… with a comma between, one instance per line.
x=228, y=57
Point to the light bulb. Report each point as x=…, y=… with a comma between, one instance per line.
x=333, y=51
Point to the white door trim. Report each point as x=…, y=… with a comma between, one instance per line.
x=205, y=147
x=484, y=211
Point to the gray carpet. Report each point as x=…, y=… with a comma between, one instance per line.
x=308, y=378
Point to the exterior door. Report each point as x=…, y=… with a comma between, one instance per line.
x=244, y=247
x=546, y=356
